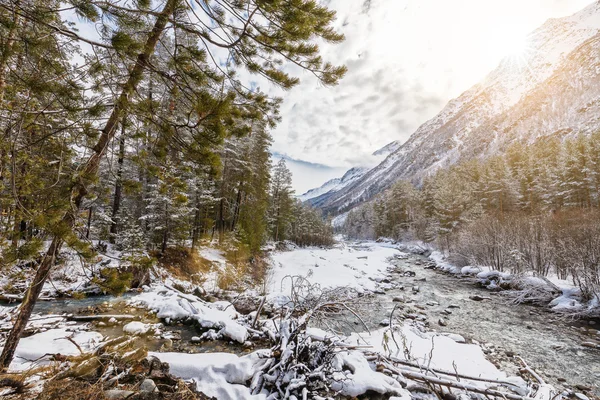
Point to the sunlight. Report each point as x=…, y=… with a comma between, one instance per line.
x=511, y=42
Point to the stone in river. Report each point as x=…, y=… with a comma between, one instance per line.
x=442, y=322
x=148, y=385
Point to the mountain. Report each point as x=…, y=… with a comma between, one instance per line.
x=335, y=184
x=553, y=89
x=353, y=174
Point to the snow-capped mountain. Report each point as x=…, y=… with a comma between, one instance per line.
x=352, y=175
x=553, y=89
x=335, y=184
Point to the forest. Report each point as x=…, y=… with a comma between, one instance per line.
x=142, y=134
x=535, y=208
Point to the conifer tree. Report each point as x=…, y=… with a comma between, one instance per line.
x=203, y=101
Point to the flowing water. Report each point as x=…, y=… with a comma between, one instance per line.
x=550, y=345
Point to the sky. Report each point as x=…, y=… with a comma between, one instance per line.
x=406, y=59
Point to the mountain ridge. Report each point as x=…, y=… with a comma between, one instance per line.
x=508, y=94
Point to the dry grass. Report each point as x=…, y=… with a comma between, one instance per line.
x=184, y=264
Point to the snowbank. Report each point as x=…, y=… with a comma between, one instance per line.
x=220, y=375
x=171, y=305
x=38, y=349
x=355, y=377
x=446, y=350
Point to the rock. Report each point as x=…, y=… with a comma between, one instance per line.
x=581, y=396
x=199, y=292
x=398, y=300
x=148, y=385
x=593, y=345
x=561, y=379
x=421, y=280
x=115, y=394
x=479, y=298
x=510, y=353
x=447, y=312
x=385, y=322
x=529, y=327
x=457, y=338
x=168, y=343
x=101, y=324
x=195, y=339
x=415, y=289
x=583, y=388
x=112, y=321
x=432, y=303
x=442, y=322
x=453, y=306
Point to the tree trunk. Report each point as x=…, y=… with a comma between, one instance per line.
x=89, y=222
x=79, y=187
x=196, y=227
x=6, y=54
x=114, y=226
x=236, y=208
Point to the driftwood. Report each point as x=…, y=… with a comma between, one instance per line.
x=90, y=318
x=419, y=377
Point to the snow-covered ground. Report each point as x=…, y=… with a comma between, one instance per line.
x=356, y=266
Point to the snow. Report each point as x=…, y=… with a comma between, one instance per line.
x=355, y=377
x=171, y=305
x=356, y=267
x=139, y=328
x=36, y=349
x=219, y=375
x=448, y=350
x=335, y=184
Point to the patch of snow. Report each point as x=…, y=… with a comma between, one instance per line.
x=37, y=349
x=220, y=375
x=139, y=328
x=171, y=305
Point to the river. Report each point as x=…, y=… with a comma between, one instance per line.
x=550, y=345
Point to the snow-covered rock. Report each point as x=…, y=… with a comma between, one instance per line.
x=171, y=305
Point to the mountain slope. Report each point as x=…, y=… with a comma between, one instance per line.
x=335, y=184
x=332, y=186
x=553, y=89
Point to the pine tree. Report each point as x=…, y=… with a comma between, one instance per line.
x=281, y=201
x=203, y=100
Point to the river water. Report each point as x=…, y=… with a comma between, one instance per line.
x=550, y=345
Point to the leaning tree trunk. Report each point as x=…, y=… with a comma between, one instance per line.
x=79, y=188
x=114, y=225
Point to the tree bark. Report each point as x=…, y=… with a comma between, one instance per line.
x=7, y=53
x=236, y=208
x=114, y=226
x=79, y=187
